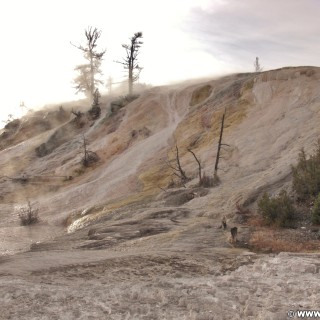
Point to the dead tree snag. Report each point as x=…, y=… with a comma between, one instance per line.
x=220, y=144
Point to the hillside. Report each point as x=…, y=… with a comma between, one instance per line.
x=152, y=249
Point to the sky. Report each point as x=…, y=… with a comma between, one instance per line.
x=183, y=39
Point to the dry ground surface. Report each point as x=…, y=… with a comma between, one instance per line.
x=136, y=283
x=115, y=243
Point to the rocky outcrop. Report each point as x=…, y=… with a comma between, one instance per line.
x=32, y=125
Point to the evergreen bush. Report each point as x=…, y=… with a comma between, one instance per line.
x=306, y=175
x=277, y=210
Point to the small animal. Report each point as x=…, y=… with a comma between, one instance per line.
x=224, y=223
x=234, y=233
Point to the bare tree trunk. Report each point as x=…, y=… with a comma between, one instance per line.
x=219, y=145
x=85, y=151
x=131, y=64
x=183, y=175
x=199, y=165
x=130, y=81
x=91, y=76
x=177, y=169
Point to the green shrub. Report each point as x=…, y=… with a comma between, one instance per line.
x=316, y=211
x=278, y=210
x=306, y=175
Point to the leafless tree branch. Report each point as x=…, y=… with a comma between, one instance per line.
x=199, y=164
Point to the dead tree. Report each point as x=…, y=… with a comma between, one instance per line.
x=85, y=151
x=87, y=81
x=199, y=164
x=130, y=61
x=220, y=144
x=257, y=67
x=89, y=157
x=177, y=169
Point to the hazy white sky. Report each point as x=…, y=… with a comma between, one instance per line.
x=183, y=39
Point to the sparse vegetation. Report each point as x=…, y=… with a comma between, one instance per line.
x=272, y=240
x=122, y=102
x=89, y=157
x=316, y=211
x=278, y=211
x=176, y=167
x=28, y=214
x=306, y=174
